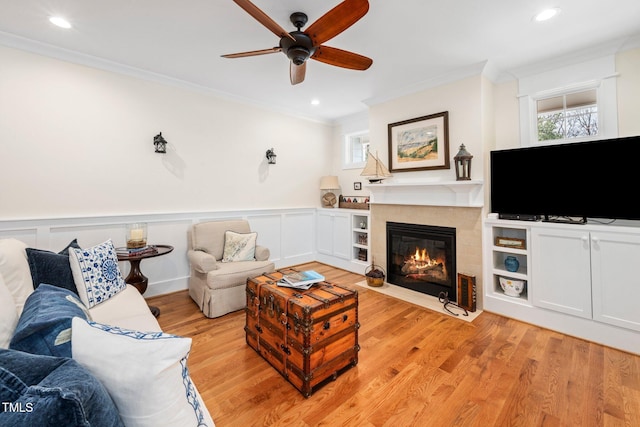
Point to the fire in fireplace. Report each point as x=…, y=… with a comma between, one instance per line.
x=422, y=258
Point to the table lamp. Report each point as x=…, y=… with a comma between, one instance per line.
x=329, y=182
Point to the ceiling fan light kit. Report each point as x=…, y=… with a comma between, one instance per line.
x=299, y=45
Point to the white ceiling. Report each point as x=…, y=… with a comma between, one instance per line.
x=413, y=43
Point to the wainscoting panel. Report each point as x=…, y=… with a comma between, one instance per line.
x=288, y=233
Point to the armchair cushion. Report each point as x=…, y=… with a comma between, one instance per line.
x=239, y=246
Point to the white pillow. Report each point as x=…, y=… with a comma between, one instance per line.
x=14, y=267
x=145, y=373
x=96, y=273
x=8, y=315
x=239, y=246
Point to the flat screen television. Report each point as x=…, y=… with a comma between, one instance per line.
x=573, y=181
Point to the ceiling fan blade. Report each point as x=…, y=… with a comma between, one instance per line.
x=252, y=53
x=263, y=18
x=341, y=58
x=297, y=72
x=337, y=20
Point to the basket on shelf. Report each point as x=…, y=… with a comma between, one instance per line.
x=375, y=275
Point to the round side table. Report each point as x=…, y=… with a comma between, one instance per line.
x=135, y=277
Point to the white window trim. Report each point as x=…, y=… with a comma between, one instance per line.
x=346, y=151
x=598, y=74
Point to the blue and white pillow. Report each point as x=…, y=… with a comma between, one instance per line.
x=145, y=373
x=96, y=273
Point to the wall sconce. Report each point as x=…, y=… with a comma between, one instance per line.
x=160, y=143
x=271, y=156
x=463, y=164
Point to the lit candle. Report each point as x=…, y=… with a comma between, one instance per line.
x=137, y=234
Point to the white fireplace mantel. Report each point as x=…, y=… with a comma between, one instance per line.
x=428, y=193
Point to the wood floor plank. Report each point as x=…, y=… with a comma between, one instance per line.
x=417, y=367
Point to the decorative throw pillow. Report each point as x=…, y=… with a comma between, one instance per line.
x=8, y=315
x=145, y=373
x=96, y=273
x=239, y=246
x=47, y=391
x=52, y=268
x=45, y=324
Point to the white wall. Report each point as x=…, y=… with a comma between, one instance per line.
x=628, y=67
x=77, y=141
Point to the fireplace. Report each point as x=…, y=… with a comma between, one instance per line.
x=422, y=258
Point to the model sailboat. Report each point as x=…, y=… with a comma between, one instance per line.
x=375, y=169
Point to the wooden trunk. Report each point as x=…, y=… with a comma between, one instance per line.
x=308, y=336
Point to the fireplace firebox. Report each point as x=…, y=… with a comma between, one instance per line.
x=422, y=258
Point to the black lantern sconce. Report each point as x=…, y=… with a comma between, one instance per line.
x=271, y=156
x=160, y=143
x=463, y=164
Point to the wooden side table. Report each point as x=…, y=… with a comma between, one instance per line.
x=135, y=277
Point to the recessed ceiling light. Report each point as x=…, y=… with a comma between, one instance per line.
x=315, y=102
x=546, y=14
x=59, y=22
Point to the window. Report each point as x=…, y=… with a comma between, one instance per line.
x=568, y=116
x=573, y=103
x=356, y=149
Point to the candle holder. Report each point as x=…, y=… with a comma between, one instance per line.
x=136, y=235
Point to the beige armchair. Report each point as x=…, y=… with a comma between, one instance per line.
x=219, y=287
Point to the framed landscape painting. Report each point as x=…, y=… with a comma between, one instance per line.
x=419, y=144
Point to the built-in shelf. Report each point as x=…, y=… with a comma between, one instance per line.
x=428, y=193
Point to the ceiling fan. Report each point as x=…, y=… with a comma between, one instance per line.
x=301, y=45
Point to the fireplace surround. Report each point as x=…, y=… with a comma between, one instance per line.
x=466, y=220
x=422, y=258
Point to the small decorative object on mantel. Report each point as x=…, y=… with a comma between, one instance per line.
x=271, y=156
x=375, y=169
x=375, y=275
x=462, y=161
x=345, y=202
x=160, y=143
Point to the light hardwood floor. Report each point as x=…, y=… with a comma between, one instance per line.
x=416, y=367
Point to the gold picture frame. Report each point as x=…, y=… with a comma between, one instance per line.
x=419, y=144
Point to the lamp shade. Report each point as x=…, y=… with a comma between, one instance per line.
x=329, y=182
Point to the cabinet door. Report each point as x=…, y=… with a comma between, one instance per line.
x=342, y=235
x=615, y=279
x=561, y=271
x=324, y=239
x=334, y=234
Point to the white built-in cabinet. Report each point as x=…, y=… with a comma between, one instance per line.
x=334, y=233
x=562, y=270
x=581, y=279
x=342, y=238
